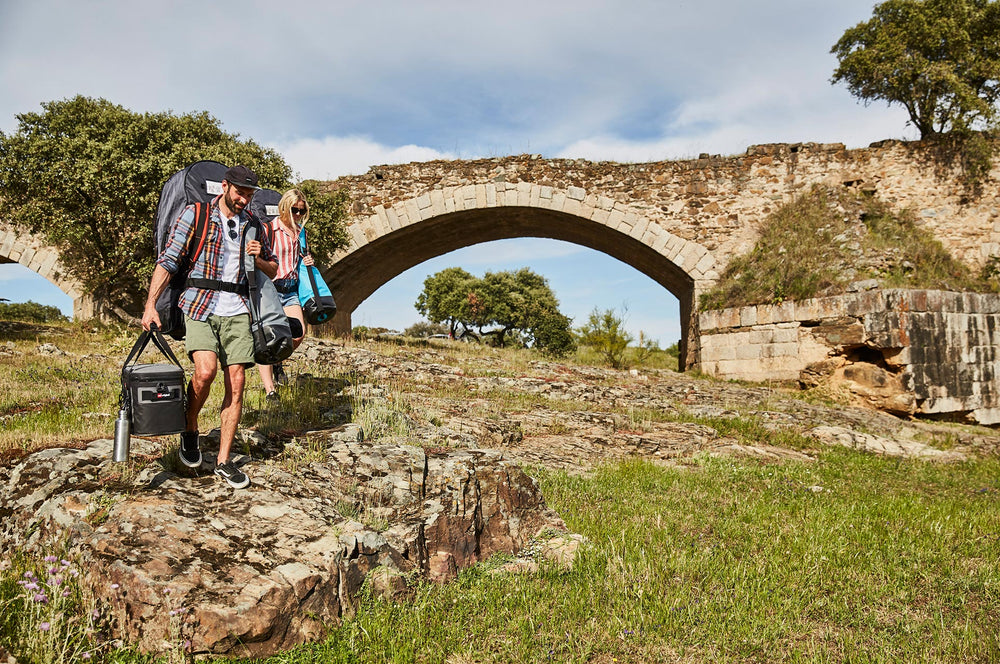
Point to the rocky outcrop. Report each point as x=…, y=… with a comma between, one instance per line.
x=185, y=560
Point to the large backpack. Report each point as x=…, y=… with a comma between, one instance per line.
x=195, y=185
x=264, y=206
x=271, y=328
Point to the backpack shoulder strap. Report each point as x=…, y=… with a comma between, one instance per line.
x=202, y=211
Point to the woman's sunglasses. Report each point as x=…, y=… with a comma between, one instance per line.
x=298, y=210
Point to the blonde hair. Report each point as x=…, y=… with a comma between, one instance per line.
x=288, y=199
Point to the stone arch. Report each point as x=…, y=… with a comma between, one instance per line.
x=19, y=246
x=396, y=238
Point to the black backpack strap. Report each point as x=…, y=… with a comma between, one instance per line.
x=216, y=284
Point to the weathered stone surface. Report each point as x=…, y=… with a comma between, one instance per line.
x=878, y=445
x=260, y=570
x=903, y=351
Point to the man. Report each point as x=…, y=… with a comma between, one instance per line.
x=216, y=312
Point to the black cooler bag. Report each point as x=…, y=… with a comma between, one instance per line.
x=154, y=393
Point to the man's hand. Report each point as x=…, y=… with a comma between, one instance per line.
x=253, y=248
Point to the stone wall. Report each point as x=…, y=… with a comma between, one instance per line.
x=916, y=352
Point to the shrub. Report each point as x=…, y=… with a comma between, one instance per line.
x=31, y=312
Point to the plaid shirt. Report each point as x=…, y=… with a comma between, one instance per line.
x=198, y=303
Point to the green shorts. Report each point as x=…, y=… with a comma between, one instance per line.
x=227, y=336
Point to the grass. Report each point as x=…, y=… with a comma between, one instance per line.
x=725, y=561
x=820, y=242
x=850, y=558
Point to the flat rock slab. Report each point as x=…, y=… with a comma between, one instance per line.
x=256, y=571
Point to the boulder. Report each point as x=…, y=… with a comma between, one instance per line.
x=184, y=560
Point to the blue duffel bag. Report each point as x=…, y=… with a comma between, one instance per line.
x=314, y=295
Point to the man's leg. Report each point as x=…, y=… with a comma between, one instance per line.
x=205, y=366
x=232, y=408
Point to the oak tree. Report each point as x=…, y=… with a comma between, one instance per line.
x=939, y=59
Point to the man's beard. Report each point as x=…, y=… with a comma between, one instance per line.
x=232, y=205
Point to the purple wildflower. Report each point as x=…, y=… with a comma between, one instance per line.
x=50, y=559
x=45, y=627
x=40, y=598
x=114, y=586
x=31, y=586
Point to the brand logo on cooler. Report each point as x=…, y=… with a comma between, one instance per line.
x=213, y=187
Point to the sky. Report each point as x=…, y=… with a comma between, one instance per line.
x=339, y=86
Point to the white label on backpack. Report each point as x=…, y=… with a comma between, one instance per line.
x=271, y=210
x=213, y=187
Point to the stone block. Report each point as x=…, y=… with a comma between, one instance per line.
x=576, y=193
x=491, y=195
x=393, y=217
x=600, y=216
x=748, y=316
x=573, y=207
x=716, y=353
x=412, y=211
x=705, y=263
x=437, y=203
x=482, y=199
x=558, y=201
x=639, y=228
x=26, y=256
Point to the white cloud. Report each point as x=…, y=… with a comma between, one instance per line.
x=331, y=157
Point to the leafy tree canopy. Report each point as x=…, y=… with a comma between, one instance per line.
x=514, y=305
x=940, y=59
x=86, y=174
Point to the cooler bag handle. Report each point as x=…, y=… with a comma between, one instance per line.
x=153, y=334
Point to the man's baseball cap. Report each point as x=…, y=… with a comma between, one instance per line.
x=241, y=176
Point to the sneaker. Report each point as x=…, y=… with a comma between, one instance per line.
x=279, y=375
x=272, y=396
x=236, y=477
x=190, y=452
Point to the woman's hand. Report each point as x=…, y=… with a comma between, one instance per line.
x=308, y=260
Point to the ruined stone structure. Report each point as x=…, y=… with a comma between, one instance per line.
x=909, y=352
x=17, y=246
x=678, y=222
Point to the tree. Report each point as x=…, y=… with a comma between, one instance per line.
x=445, y=297
x=605, y=333
x=513, y=304
x=327, y=231
x=86, y=174
x=940, y=59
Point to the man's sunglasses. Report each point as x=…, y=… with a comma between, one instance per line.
x=232, y=230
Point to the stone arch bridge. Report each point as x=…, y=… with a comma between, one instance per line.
x=678, y=222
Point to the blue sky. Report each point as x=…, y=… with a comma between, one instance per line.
x=337, y=87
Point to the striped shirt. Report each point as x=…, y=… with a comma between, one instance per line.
x=286, y=248
x=198, y=303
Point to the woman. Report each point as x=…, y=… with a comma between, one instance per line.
x=283, y=230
